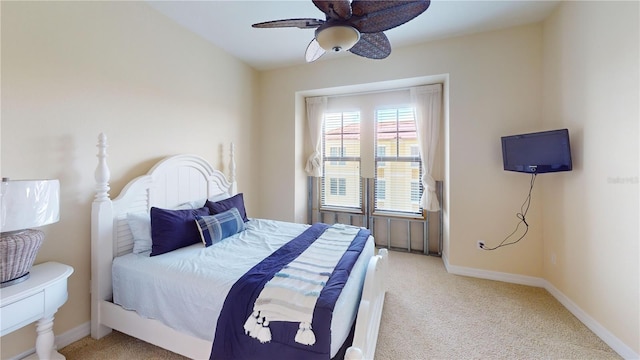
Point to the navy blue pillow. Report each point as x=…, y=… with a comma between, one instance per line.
x=214, y=228
x=236, y=201
x=174, y=229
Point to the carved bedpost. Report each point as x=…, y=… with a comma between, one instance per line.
x=101, y=241
x=232, y=168
x=102, y=174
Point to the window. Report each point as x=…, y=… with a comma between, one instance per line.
x=334, y=151
x=338, y=187
x=399, y=169
x=342, y=187
x=381, y=152
x=341, y=183
x=381, y=189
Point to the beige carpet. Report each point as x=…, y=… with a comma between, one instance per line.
x=430, y=314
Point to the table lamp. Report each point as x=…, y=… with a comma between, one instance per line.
x=24, y=204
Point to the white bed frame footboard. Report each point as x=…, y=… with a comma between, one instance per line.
x=173, y=181
x=365, y=337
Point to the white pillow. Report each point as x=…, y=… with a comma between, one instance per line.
x=140, y=225
x=187, y=206
x=219, y=197
x=197, y=204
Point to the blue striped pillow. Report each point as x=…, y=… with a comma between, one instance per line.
x=219, y=226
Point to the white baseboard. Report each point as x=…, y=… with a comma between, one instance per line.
x=23, y=354
x=615, y=343
x=73, y=335
x=493, y=275
x=61, y=340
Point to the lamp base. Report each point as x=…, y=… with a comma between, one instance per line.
x=17, y=253
x=15, y=281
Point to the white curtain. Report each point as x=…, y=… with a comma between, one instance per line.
x=315, y=112
x=428, y=103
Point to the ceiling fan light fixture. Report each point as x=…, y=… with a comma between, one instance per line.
x=337, y=38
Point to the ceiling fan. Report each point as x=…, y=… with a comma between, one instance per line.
x=356, y=26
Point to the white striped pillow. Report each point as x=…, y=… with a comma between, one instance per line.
x=216, y=227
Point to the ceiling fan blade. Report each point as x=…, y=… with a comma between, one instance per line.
x=372, y=46
x=334, y=9
x=314, y=51
x=299, y=23
x=372, y=16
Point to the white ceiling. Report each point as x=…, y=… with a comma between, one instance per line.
x=227, y=24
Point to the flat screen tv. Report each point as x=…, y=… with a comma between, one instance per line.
x=536, y=153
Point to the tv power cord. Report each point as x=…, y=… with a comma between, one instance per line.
x=522, y=216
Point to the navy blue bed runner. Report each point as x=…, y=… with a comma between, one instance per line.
x=231, y=342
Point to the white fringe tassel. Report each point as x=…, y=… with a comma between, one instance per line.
x=264, y=335
x=250, y=326
x=257, y=327
x=305, y=335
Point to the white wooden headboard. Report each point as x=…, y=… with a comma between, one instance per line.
x=173, y=181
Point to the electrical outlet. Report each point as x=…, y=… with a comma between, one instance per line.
x=480, y=244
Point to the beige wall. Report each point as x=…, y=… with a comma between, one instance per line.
x=71, y=70
x=494, y=89
x=591, y=79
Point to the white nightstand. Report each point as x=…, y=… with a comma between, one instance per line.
x=37, y=298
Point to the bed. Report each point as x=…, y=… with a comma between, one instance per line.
x=118, y=269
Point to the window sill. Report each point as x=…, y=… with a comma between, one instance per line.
x=342, y=210
x=398, y=215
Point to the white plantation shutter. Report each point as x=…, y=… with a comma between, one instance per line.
x=398, y=167
x=341, y=181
